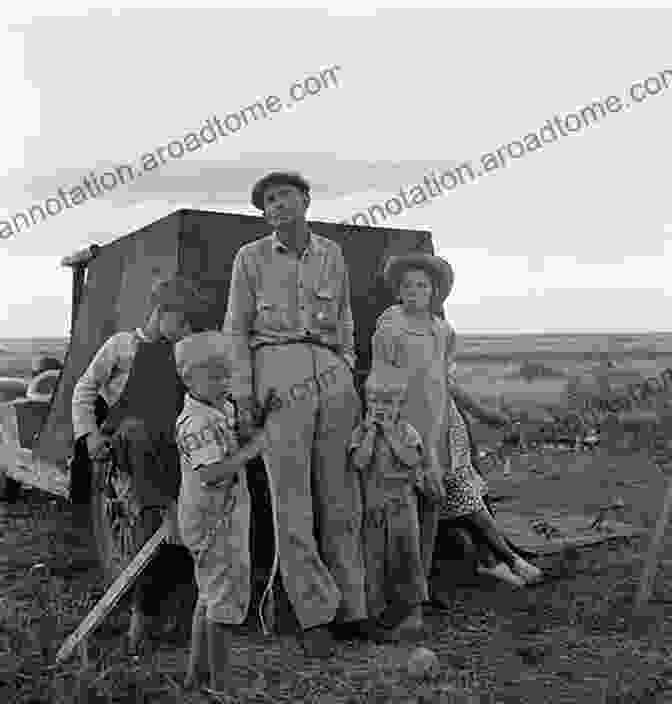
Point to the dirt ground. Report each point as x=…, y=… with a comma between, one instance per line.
x=571, y=639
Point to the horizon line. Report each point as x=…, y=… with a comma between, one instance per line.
x=462, y=333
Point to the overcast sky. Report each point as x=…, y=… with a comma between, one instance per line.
x=576, y=235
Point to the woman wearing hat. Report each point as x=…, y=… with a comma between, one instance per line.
x=410, y=335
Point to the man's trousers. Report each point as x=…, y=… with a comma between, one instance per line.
x=313, y=491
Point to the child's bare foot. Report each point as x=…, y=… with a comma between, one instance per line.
x=196, y=680
x=224, y=685
x=137, y=633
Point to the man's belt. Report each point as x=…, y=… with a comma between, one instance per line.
x=305, y=340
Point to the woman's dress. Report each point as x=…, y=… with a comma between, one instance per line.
x=428, y=354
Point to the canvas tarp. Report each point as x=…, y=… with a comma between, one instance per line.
x=202, y=245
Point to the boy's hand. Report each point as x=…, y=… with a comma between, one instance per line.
x=245, y=408
x=369, y=424
x=97, y=445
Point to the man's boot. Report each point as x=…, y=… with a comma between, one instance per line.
x=318, y=642
x=399, y=622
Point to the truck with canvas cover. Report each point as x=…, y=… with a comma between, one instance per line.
x=110, y=292
x=111, y=286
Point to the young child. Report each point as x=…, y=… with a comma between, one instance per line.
x=214, y=505
x=411, y=336
x=213, y=519
x=388, y=453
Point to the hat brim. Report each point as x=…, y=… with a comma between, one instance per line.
x=440, y=271
x=277, y=178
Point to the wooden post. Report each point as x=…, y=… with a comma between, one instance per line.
x=112, y=596
x=658, y=437
x=652, y=555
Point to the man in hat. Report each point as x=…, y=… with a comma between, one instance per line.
x=135, y=374
x=289, y=313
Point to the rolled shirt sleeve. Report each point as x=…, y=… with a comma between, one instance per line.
x=347, y=322
x=238, y=322
x=106, y=375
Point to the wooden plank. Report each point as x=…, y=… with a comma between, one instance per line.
x=18, y=464
x=653, y=553
x=112, y=596
x=573, y=531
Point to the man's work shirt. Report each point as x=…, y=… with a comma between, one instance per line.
x=277, y=296
x=106, y=375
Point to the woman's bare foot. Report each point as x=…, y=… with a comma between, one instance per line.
x=530, y=573
x=504, y=573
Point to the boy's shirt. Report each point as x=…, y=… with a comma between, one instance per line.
x=106, y=375
x=205, y=435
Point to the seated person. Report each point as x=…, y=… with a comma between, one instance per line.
x=388, y=453
x=136, y=376
x=487, y=551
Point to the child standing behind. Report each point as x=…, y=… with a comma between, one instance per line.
x=213, y=518
x=388, y=453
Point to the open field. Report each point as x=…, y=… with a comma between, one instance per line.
x=571, y=639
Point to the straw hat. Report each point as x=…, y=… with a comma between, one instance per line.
x=276, y=178
x=202, y=348
x=438, y=269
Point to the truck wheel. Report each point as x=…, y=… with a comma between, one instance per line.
x=115, y=513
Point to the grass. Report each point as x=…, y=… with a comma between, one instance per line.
x=569, y=640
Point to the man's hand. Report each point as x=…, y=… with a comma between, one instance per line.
x=272, y=404
x=170, y=517
x=97, y=445
x=369, y=423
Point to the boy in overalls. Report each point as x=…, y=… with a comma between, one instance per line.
x=135, y=373
x=214, y=519
x=388, y=452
